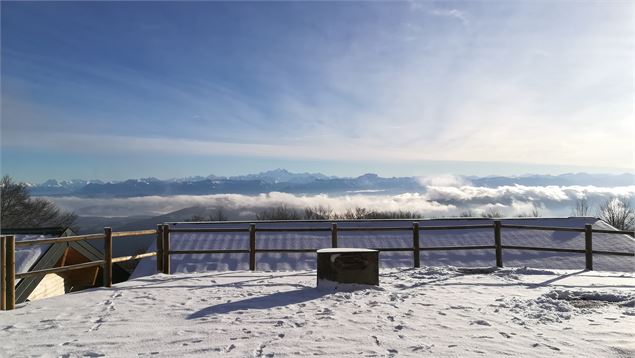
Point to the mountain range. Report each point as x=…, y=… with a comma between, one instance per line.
x=282, y=180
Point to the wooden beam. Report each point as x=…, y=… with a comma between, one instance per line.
x=252, y=247
x=552, y=249
x=3, y=272
x=293, y=229
x=416, y=248
x=60, y=269
x=107, y=277
x=64, y=255
x=451, y=248
x=498, y=243
x=133, y=257
x=386, y=228
x=59, y=239
x=193, y=230
x=456, y=227
x=134, y=233
x=95, y=275
x=194, y=252
x=10, y=273
x=159, y=240
x=624, y=232
x=334, y=235
x=547, y=228
x=588, y=246
x=166, y=249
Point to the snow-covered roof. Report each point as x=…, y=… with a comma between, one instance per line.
x=396, y=239
x=27, y=256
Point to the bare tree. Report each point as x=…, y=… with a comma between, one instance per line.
x=195, y=218
x=535, y=212
x=281, y=212
x=492, y=213
x=363, y=213
x=219, y=215
x=318, y=213
x=581, y=208
x=19, y=210
x=618, y=212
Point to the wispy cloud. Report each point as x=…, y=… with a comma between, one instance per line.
x=452, y=13
x=512, y=83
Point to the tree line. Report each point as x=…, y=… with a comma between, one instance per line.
x=19, y=210
x=617, y=212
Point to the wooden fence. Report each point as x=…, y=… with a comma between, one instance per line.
x=163, y=253
x=8, y=244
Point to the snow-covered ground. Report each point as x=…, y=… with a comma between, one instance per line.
x=414, y=312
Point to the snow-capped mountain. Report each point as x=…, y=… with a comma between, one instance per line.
x=282, y=180
x=283, y=176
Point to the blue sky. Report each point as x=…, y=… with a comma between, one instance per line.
x=114, y=90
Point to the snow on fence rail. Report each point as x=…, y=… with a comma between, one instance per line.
x=8, y=245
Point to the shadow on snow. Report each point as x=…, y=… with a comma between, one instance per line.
x=277, y=299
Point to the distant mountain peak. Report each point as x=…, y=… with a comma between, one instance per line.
x=282, y=176
x=282, y=180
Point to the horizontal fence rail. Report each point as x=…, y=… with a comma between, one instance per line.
x=625, y=232
x=59, y=239
x=163, y=252
x=134, y=233
x=448, y=248
x=457, y=227
x=557, y=249
x=59, y=269
x=193, y=230
x=134, y=257
x=547, y=228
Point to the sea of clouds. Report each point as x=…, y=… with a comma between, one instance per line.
x=437, y=199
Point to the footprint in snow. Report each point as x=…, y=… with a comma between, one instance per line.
x=376, y=340
x=480, y=322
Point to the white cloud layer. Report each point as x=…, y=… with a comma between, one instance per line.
x=436, y=201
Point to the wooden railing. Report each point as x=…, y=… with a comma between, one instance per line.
x=8, y=245
x=416, y=249
x=163, y=253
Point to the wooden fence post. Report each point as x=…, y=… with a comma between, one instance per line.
x=252, y=247
x=10, y=272
x=333, y=235
x=107, y=277
x=498, y=244
x=588, y=245
x=3, y=273
x=166, y=249
x=415, y=245
x=159, y=248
